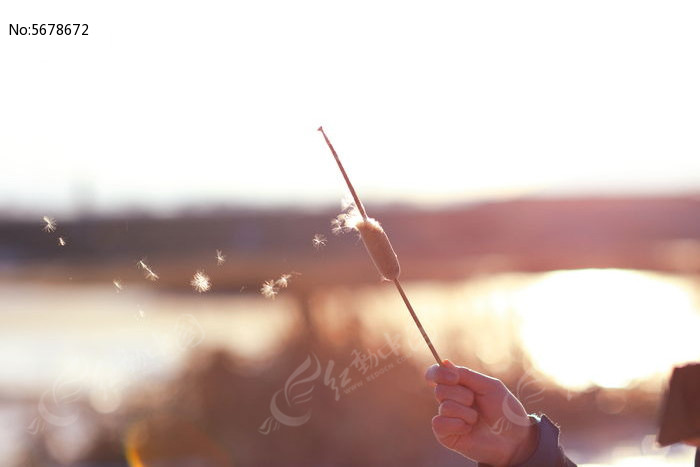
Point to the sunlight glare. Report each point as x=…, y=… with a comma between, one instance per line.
x=608, y=327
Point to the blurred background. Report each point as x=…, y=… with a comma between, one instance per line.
x=536, y=166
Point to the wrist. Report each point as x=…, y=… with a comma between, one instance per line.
x=527, y=444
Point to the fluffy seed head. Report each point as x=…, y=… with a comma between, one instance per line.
x=379, y=248
x=61, y=241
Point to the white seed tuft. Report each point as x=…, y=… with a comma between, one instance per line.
x=147, y=271
x=50, y=224
x=319, y=241
x=346, y=220
x=283, y=281
x=220, y=258
x=200, y=282
x=269, y=290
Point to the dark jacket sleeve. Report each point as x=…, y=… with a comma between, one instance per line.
x=548, y=452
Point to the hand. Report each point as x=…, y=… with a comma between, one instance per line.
x=479, y=418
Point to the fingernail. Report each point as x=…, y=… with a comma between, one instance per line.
x=430, y=373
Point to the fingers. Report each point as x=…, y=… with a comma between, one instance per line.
x=449, y=374
x=452, y=409
x=477, y=382
x=457, y=393
x=440, y=374
x=447, y=426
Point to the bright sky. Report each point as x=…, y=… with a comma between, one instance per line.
x=171, y=103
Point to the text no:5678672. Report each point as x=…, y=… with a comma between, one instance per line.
x=49, y=29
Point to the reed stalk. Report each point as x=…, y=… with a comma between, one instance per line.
x=379, y=248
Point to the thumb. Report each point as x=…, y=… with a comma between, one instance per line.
x=477, y=382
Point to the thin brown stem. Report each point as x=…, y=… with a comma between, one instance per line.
x=358, y=203
x=418, y=323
